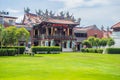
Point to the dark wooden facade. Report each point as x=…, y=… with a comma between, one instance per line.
x=55, y=34
x=48, y=31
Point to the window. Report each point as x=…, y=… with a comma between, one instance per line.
x=71, y=44
x=49, y=31
x=81, y=34
x=65, y=45
x=43, y=30
x=95, y=35
x=36, y=32
x=36, y=43
x=49, y=43
x=70, y=32
x=10, y=21
x=1, y=21
x=63, y=33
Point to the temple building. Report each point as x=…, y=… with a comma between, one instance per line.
x=82, y=33
x=46, y=29
x=116, y=34
x=7, y=20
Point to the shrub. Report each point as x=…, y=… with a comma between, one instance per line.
x=20, y=49
x=92, y=50
x=8, y=52
x=82, y=50
x=99, y=50
x=45, y=48
x=113, y=50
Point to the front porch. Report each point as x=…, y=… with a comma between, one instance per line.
x=66, y=45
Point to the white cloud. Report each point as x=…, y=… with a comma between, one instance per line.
x=100, y=12
x=82, y=3
x=100, y=16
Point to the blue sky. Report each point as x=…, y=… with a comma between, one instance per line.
x=99, y=12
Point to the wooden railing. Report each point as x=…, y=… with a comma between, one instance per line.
x=55, y=37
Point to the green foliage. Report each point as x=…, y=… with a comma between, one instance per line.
x=8, y=52
x=110, y=42
x=1, y=32
x=22, y=34
x=99, y=50
x=9, y=36
x=12, y=35
x=97, y=42
x=92, y=50
x=87, y=43
x=103, y=42
x=92, y=41
x=35, y=49
x=20, y=49
x=113, y=50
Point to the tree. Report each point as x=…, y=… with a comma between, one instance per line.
x=92, y=41
x=22, y=34
x=9, y=36
x=1, y=34
x=103, y=42
x=86, y=43
x=110, y=42
x=97, y=42
x=12, y=35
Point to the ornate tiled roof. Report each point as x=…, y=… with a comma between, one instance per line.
x=117, y=25
x=9, y=17
x=61, y=21
x=85, y=29
x=30, y=18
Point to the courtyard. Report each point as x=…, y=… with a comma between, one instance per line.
x=64, y=66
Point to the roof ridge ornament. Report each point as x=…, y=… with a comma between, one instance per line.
x=27, y=10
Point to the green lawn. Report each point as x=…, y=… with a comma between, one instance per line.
x=64, y=66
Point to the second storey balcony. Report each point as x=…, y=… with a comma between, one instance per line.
x=55, y=37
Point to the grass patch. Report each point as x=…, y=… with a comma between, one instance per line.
x=64, y=66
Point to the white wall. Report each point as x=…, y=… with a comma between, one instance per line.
x=67, y=49
x=116, y=37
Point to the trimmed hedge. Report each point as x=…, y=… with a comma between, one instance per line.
x=113, y=50
x=21, y=49
x=92, y=50
x=8, y=52
x=35, y=49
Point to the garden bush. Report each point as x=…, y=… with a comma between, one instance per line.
x=8, y=52
x=35, y=49
x=20, y=49
x=92, y=50
x=113, y=50
x=99, y=50
x=82, y=50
